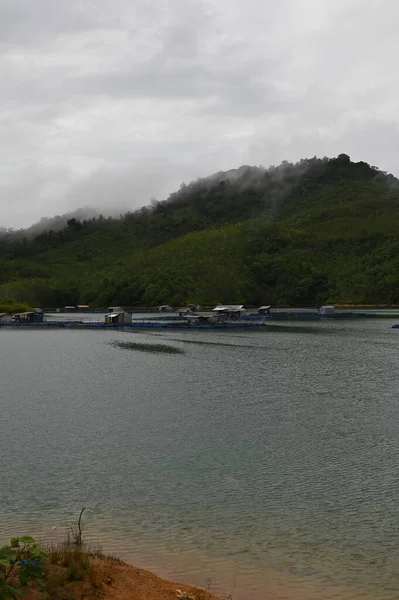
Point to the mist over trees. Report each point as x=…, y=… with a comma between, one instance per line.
x=305, y=233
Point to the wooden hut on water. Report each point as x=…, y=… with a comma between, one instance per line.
x=189, y=309
x=34, y=316
x=118, y=317
x=204, y=318
x=327, y=309
x=230, y=311
x=264, y=310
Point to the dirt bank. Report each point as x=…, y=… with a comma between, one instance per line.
x=108, y=579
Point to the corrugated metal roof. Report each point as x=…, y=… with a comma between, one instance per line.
x=229, y=307
x=115, y=314
x=263, y=307
x=201, y=314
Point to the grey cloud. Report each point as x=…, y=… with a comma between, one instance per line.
x=111, y=103
x=23, y=22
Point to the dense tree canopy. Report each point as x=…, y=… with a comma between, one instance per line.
x=315, y=231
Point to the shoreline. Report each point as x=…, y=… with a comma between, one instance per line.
x=134, y=583
x=124, y=581
x=110, y=578
x=121, y=575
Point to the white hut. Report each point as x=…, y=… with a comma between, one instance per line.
x=230, y=311
x=327, y=309
x=118, y=317
x=264, y=310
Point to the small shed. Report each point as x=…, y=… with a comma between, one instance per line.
x=229, y=310
x=202, y=318
x=189, y=309
x=264, y=310
x=5, y=318
x=118, y=318
x=82, y=306
x=327, y=309
x=28, y=317
x=195, y=307
x=165, y=308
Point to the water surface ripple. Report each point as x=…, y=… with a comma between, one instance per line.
x=266, y=461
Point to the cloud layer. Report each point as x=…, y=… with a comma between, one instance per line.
x=108, y=104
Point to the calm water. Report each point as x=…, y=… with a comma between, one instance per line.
x=266, y=461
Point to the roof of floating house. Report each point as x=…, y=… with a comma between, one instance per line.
x=112, y=315
x=228, y=307
x=204, y=314
x=265, y=307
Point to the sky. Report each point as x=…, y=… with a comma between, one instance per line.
x=110, y=104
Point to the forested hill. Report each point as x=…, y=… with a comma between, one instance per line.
x=306, y=233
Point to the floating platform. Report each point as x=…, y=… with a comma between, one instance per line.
x=307, y=315
x=150, y=324
x=246, y=321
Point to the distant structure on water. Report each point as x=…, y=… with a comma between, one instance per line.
x=189, y=309
x=35, y=316
x=264, y=310
x=231, y=311
x=328, y=309
x=117, y=316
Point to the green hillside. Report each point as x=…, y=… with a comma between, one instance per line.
x=306, y=233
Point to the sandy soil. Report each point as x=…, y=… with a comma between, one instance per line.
x=125, y=582
x=112, y=580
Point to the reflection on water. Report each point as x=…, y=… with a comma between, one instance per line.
x=267, y=466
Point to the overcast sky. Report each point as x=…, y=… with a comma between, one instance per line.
x=107, y=103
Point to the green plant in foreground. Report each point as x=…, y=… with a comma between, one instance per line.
x=21, y=561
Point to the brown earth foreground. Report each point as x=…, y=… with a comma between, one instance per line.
x=109, y=579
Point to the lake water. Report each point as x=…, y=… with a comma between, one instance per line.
x=266, y=461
